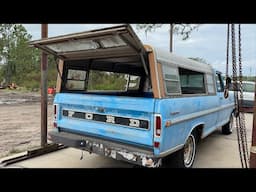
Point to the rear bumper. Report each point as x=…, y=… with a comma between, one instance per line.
x=115, y=150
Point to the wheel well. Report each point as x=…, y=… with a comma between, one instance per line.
x=198, y=131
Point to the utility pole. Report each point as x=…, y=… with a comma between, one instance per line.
x=171, y=37
x=253, y=147
x=44, y=96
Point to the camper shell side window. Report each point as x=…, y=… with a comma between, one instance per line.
x=75, y=79
x=179, y=81
x=192, y=82
x=171, y=80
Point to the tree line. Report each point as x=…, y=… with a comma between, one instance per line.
x=20, y=63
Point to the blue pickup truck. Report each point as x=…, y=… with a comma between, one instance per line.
x=119, y=98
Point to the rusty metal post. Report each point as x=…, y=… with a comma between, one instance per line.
x=44, y=96
x=253, y=147
x=171, y=37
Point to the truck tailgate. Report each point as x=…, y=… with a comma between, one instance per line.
x=125, y=119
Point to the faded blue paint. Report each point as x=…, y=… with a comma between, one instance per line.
x=172, y=109
x=137, y=108
x=210, y=112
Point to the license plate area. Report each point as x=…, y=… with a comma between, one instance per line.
x=101, y=149
x=92, y=146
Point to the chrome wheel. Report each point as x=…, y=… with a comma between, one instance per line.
x=189, y=151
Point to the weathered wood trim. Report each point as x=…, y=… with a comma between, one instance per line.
x=58, y=84
x=153, y=72
x=161, y=80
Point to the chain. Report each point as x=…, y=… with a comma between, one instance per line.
x=240, y=120
x=233, y=46
x=240, y=61
x=226, y=92
x=227, y=56
x=242, y=117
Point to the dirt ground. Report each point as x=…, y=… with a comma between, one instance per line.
x=20, y=115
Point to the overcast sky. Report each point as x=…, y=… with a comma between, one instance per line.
x=208, y=42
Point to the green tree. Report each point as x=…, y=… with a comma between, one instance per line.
x=17, y=58
x=184, y=30
x=19, y=62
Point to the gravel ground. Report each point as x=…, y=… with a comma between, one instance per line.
x=20, y=121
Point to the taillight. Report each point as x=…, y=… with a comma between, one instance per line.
x=158, y=125
x=156, y=144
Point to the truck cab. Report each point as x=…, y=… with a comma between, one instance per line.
x=119, y=98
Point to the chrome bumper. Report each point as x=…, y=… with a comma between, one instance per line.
x=115, y=150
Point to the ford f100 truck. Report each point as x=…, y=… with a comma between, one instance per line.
x=119, y=98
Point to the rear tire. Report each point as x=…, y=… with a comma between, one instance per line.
x=227, y=129
x=185, y=157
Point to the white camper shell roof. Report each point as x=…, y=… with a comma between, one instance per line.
x=178, y=61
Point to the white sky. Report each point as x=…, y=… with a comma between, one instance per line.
x=208, y=42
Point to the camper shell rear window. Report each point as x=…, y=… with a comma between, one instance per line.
x=112, y=76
